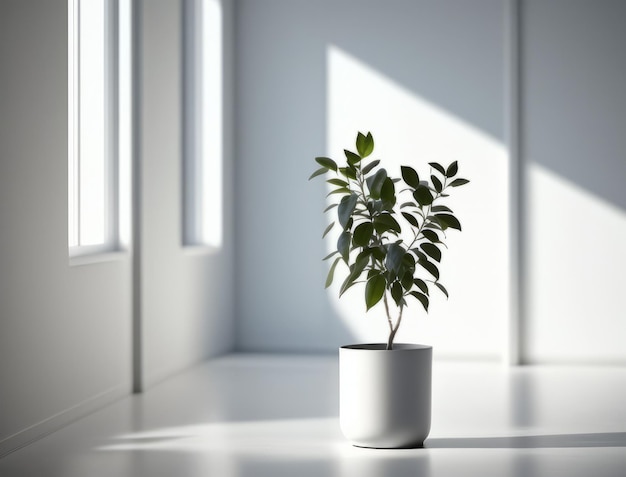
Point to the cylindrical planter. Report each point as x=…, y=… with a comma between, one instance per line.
x=385, y=396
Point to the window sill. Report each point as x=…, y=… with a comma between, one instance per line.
x=200, y=250
x=80, y=258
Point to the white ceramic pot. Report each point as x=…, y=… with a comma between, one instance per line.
x=385, y=396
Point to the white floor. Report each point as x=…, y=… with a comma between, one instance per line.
x=255, y=415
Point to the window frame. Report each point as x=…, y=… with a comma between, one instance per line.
x=110, y=219
x=203, y=148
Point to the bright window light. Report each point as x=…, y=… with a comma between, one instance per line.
x=203, y=124
x=93, y=91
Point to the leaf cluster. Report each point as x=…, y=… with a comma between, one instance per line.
x=372, y=218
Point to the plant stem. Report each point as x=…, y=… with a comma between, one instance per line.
x=392, y=329
x=388, y=315
x=376, y=237
x=421, y=227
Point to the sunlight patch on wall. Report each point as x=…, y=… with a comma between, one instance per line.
x=576, y=262
x=410, y=130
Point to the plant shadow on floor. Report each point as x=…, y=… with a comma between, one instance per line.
x=604, y=439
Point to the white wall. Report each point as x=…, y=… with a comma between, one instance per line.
x=64, y=330
x=574, y=144
x=186, y=293
x=427, y=78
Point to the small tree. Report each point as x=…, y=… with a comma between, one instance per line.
x=370, y=217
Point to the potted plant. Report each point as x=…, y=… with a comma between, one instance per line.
x=393, y=246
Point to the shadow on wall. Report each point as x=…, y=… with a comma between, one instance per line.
x=573, y=141
x=574, y=73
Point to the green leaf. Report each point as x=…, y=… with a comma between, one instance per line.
x=410, y=176
x=437, y=183
x=374, y=290
x=346, y=208
x=364, y=144
x=443, y=289
x=433, y=225
x=421, y=256
x=352, y=157
x=327, y=162
x=330, y=226
x=430, y=235
x=408, y=262
x=374, y=206
x=441, y=208
x=387, y=207
x=438, y=167
x=385, y=222
x=452, y=169
x=379, y=253
x=366, y=253
x=361, y=262
x=410, y=219
x=388, y=192
x=421, y=284
x=366, y=170
x=448, y=220
x=355, y=272
x=319, y=172
x=423, y=196
x=458, y=182
x=429, y=267
x=396, y=293
x=331, y=254
x=375, y=183
x=360, y=143
x=369, y=144
x=347, y=283
x=331, y=273
x=338, y=182
x=407, y=278
x=395, y=253
x=348, y=172
x=362, y=234
x=408, y=204
x=341, y=190
x=432, y=251
x=343, y=245
x=422, y=298
x=331, y=206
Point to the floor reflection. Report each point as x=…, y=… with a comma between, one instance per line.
x=257, y=416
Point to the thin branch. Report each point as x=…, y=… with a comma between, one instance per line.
x=388, y=314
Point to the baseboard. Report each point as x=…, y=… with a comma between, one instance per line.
x=57, y=421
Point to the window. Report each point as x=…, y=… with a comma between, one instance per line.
x=94, y=145
x=202, y=166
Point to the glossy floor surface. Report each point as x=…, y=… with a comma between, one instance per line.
x=256, y=415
